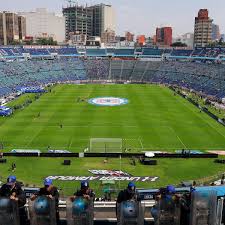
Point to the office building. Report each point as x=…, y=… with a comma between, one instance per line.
x=215, y=32
x=43, y=24
x=12, y=28
x=164, y=36
x=89, y=20
x=203, y=29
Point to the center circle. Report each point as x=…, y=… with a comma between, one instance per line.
x=108, y=101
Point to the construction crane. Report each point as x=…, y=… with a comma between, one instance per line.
x=71, y=2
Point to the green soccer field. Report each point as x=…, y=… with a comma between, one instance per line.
x=32, y=171
x=154, y=119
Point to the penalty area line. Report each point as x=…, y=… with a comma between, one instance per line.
x=141, y=143
x=178, y=137
x=181, y=142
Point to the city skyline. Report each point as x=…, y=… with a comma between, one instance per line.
x=171, y=13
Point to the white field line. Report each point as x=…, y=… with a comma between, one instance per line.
x=205, y=121
x=141, y=143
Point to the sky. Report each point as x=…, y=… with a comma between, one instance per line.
x=138, y=16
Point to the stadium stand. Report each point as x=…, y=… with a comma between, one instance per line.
x=97, y=69
x=8, y=51
x=167, y=51
x=152, y=52
x=110, y=51
x=197, y=52
x=138, y=51
x=65, y=51
x=131, y=52
x=35, y=73
x=205, y=76
x=96, y=52
x=184, y=52
x=36, y=52
x=124, y=52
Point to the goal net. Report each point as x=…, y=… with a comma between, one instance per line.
x=104, y=145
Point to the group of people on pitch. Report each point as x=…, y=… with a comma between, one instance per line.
x=12, y=189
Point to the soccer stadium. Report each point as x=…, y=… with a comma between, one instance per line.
x=110, y=116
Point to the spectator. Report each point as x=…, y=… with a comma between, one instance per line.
x=50, y=191
x=127, y=194
x=12, y=189
x=222, y=179
x=84, y=192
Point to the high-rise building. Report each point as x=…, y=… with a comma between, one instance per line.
x=103, y=19
x=203, y=29
x=109, y=36
x=215, y=32
x=11, y=28
x=78, y=19
x=89, y=20
x=129, y=36
x=41, y=23
x=22, y=27
x=164, y=36
x=141, y=40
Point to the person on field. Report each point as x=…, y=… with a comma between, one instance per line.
x=50, y=191
x=12, y=189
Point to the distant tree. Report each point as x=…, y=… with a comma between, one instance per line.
x=178, y=44
x=46, y=41
x=29, y=42
x=217, y=43
x=212, y=44
x=221, y=42
x=15, y=42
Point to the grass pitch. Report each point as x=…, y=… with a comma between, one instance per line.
x=32, y=171
x=154, y=119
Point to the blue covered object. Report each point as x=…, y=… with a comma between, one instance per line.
x=42, y=206
x=79, y=206
x=129, y=209
x=6, y=205
x=5, y=111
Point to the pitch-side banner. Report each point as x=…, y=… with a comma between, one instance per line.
x=104, y=178
x=114, y=173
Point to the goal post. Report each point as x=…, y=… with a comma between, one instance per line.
x=105, y=145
